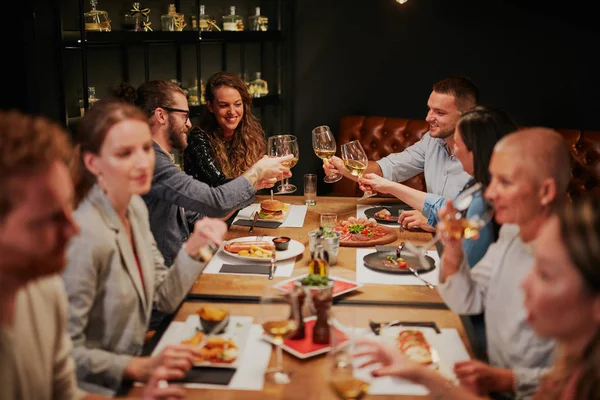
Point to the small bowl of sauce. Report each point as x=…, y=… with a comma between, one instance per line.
x=281, y=242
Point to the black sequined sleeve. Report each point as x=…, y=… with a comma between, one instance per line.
x=199, y=160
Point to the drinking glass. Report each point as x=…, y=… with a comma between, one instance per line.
x=279, y=146
x=328, y=220
x=356, y=162
x=279, y=316
x=324, y=147
x=458, y=224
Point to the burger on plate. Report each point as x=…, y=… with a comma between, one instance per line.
x=271, y=209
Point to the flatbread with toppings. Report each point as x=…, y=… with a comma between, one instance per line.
x=363, y=232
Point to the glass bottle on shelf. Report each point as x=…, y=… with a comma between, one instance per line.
x=205, y=23
x=258, y=22
x=92, y=96
x=96, y=20
x=193, y=94
x=135, y=18
x=172, y=21
x=258, y=87
x=233, y=22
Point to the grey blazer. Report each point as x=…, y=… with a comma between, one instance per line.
x=173, y=190
x=109, y=306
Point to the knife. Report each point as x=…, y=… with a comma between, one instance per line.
x=272, y=270
x=253, y=221
x=376, y=326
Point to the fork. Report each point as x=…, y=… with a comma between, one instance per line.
x=426, y=282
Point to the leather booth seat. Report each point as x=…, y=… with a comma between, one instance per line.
x=381, y=136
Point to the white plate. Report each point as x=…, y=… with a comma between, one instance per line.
x=238, y=329
x=294, y=249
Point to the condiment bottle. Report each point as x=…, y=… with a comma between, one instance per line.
x=319, y=263
x=322, y=299
x=301, y=296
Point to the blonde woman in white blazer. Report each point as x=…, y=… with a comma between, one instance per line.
x=115, y=274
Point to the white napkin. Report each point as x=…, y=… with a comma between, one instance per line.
x=450, y=348
x=254, y=360
x=284, y=267
x=367, y=275
x=360, y=213
x=294, y=219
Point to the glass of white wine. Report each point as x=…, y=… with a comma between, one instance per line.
x=356, y=162
x=279, y=146
x=324, y=147
x=280, y=318
x=459, y=225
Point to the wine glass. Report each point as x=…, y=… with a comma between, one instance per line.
x=280, y=318
x=279, y=146
x=342, y=379
x=324, y=147
x=459, y=225
x=356, y=162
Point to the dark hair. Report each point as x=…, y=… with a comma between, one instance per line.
x=91, y=132
x=150, y=95
x=462, y=88
x=579, y=223
x=249, y=143
x=27, y=144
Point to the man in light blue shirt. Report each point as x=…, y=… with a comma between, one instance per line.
x=444, y=175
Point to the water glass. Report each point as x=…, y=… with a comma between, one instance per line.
x=310, y=189
x=328, y=220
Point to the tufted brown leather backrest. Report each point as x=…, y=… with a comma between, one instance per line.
x=381, y=136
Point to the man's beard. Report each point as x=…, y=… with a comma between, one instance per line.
x=178, y=141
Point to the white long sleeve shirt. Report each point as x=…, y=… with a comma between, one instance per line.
x=493, y=286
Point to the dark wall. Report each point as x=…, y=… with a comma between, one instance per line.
x=380, y=58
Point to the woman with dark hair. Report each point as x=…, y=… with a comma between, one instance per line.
x=476, y=133
x=562, y=302
x=229, y=138
x=115, y=273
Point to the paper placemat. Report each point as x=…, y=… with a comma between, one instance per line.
x=450, y=348
x=367, y=275
x=284, y=268
x=294, y=219
x=253, y=361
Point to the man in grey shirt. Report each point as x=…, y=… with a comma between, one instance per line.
x=432, y=154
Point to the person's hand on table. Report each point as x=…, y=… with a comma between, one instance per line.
x=410, y=219
x=205, y=230
x=158, y=388
x=375, y=183
x=482, y=378
x=393, y=362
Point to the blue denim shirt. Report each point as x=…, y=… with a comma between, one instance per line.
x=444, y=174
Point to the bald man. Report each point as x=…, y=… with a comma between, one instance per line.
x=530, y=172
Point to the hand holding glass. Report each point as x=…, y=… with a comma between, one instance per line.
x=282, y=145
x=324, y=147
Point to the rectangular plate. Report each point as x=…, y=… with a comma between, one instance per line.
x=238, y=329
x=340, y=285
x=305, y=348
x=389, y=335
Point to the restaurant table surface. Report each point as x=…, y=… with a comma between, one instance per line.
x=224, y=286
x=309, y=380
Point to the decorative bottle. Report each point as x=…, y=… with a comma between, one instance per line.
x=96, y=20
x=92, y=96
x=172, y=20
x=206, y=23
x=233, y=22
x=258, y=22
x=258, y=87
x=135, y=18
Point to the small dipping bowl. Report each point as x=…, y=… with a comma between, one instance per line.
x=281, y=242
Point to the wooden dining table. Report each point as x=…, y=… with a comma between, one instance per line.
x=310, y=376
x=249, y=288
x=240, y=295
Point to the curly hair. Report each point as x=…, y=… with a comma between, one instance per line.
x=580, y=232
x=91, y=132
x=27, y=144
x=248, y=144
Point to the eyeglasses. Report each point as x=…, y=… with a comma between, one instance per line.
x=186, y=112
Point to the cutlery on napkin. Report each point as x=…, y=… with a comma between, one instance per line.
x=376, y=326
x=262, y=269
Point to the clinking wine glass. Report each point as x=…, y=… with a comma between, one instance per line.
x=324, y=147
x=280, y=318
x=279, y=146
x=458, y=224
x=356, y=162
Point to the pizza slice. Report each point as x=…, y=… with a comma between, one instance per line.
x=413, y=344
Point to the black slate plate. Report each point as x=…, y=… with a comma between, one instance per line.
x=393, y=208
x=375, y=261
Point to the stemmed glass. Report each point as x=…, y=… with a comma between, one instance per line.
x=280, y=318
x=279, y=146
x=356, y=162
x=458, y=225
x=324, y=147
